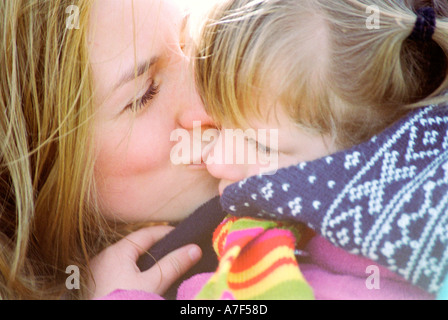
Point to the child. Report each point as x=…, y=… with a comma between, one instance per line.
x=327, y=80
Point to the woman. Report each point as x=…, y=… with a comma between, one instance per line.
x=89, y=96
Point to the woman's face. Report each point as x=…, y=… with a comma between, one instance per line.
x=137, y=54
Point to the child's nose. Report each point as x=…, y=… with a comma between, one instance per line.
x=220, y=160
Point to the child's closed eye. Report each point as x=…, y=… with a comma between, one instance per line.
x=259, y=146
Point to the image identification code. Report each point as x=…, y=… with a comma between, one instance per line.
x=231, y=309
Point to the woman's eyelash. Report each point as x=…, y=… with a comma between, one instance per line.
x=152, y=91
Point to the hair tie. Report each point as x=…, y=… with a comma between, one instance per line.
x=425, y=25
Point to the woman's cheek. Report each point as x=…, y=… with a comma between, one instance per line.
x=132, y=151
x=124, y=171
x=146, y=151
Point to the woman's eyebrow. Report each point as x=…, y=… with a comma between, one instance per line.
x=135, y=72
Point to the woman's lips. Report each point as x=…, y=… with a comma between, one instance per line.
x=200, y=166
x=198, y=163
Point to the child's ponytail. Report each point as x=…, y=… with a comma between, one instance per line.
x=440, y=40
x=379, y=72
x=425, y=55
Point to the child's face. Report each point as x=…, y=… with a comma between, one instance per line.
x=278, y=142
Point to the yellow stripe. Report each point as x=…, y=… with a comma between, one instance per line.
x=265, y=263
x=285, y=273
x=225, y=265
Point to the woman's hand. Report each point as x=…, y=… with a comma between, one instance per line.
x=116, y=266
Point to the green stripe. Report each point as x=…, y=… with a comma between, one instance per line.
x=290, y=290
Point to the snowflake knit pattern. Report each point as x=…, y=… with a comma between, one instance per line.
x=386, y=199
x=256, y=261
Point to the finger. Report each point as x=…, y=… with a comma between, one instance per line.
x=138, y=242
x=173, y=266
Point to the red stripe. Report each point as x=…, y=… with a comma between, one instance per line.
x=257, y=250
x=221, y=242
x=242, y=243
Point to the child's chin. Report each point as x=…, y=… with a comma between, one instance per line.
x=224, y=184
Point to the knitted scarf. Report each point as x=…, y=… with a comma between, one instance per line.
x=257, y=261
x=386, y=199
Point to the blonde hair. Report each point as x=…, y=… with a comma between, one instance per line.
x=318, y=59
x=48, y=216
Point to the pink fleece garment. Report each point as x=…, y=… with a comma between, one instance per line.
x=131, y=295
x=335, y=275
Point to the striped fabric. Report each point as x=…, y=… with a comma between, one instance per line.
x=256, y=262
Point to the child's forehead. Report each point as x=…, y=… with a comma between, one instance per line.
x=268, y=115
x=283, y=59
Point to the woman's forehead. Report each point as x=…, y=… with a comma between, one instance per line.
x=117, y=25
x=123, y=33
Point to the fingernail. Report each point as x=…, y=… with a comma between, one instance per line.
x=194, y=253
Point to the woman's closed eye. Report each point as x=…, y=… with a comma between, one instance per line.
x=141, y=102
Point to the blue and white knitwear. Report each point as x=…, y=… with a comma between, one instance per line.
x=385, y=199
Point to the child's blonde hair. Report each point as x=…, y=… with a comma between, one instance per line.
x=320, y=61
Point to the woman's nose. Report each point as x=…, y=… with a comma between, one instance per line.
x=191, y=110
x=194, y=113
